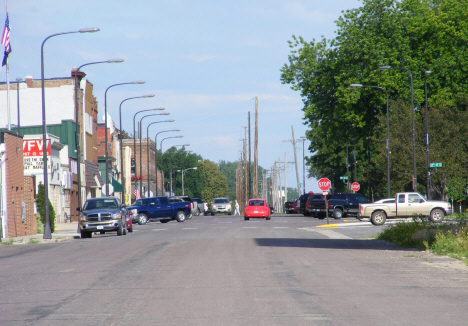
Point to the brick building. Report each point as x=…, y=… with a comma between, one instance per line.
x=16, y=190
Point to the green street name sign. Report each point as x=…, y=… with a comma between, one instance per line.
x=344, y=178
x=435, y=165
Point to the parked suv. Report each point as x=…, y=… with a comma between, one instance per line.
x=221, y=205
x=102, y=215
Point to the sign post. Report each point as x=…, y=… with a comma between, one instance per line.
x=324, y=184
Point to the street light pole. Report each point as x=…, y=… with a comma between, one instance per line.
x=429, y=181
x=105, y=131
x=303, y=139
x=170, y=162
x=156, y=155
x=147, y=151
x=388, y=132
x=121, y=140
x=415, y=177
x=141, y=132
x=47, y=230
x=134, y=139
x=77, y=125
x=183, y=171
x=160, y=145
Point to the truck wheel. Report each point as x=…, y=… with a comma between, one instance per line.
x=437, y=215
x=378, y=218
x=125, y=229
x=120, y=230
x=338, y=214
x=142, y=219
x=180, y=216
x=85, y=234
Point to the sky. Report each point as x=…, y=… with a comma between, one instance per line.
x=205, y=62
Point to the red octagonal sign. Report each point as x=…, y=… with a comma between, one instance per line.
x=324, y=184
x=355, y=186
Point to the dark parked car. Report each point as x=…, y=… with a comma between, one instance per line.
x=289, y=207
x=310, y=209
x=102, y=215
x=339, y=205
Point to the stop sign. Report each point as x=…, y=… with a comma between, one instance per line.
x=324, y=184
x=355, y=186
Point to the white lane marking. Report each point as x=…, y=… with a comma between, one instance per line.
x=280, y=221
x=281, y=227
x=189, y=228
x=158, y=229
x=332, y=234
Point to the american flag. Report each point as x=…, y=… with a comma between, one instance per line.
x=136, y=192
x=6, y=40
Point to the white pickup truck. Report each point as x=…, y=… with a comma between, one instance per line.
x=407, y=204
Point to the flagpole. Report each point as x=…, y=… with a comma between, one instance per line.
x=8, y=81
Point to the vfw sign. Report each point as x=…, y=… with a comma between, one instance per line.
x=34, y=147
x=33, y=152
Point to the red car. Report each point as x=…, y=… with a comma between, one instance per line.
x=257, y=208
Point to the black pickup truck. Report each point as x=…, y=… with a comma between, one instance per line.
x=339, y=205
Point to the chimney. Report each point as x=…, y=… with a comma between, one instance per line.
x=29, y=81
x=79, y=75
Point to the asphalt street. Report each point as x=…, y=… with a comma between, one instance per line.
x=222, y=270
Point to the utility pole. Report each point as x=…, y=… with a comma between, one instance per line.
x=285, y=181
x=293, y=141
x=355, y=164
x=347, y=168
x=255, y=172
x=245, y=166
x=250, y=163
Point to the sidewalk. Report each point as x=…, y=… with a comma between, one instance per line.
x=63, y=232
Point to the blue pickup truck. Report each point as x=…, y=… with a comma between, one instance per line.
x=158, y=209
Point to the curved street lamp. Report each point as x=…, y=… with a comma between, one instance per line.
x=141, y=167
x=47, y=230
x=388, y=133
x=183, y=171
x=121, y=140
x=156, y=155
x=415, y=177
x=77, y=128
x=160, y=145
x=105, y=129
x=147, y=152
x=170, y=161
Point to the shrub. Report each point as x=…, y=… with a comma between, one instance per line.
x=41, y=208
x=453, y=242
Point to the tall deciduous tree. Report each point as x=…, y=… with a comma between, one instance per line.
x=214, y=183
x=417, y=35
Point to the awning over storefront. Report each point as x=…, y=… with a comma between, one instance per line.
x=117, y=185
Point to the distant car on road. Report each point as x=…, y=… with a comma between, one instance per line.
x=104, y=214
x=221, y=205
x=289, y=207
x=257, y=208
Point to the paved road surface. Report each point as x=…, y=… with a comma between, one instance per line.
x=223, y=270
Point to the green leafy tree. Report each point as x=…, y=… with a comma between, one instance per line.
x=415, y=35
x=40, y=197
x=214, y=182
